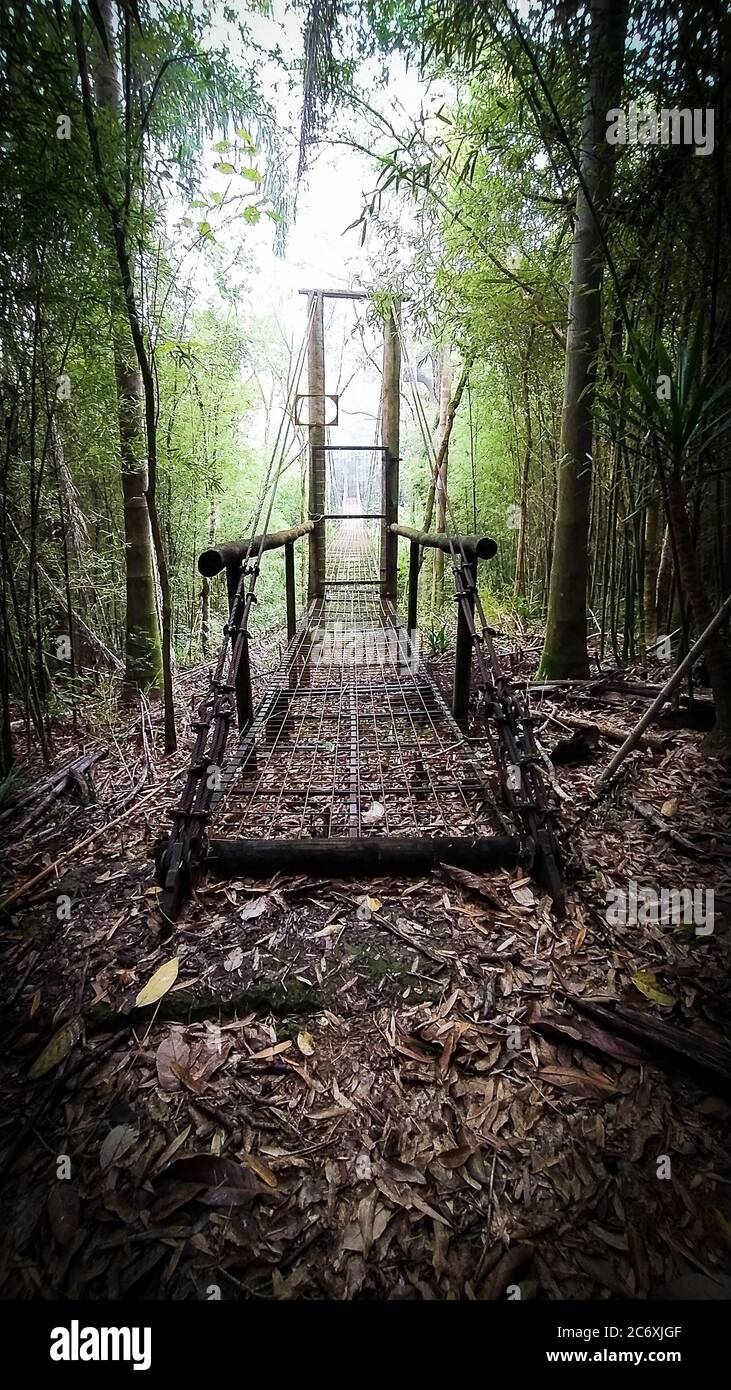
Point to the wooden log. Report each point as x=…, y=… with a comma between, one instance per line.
x=463, y=650
x=232, y=553
x=474, y=547
x=412, y=619
x=649, y=742
x=372, y=854
x=40, y=795
x=711, y=1056
x=289, y=587
x=186, y=1006
x=658, y=822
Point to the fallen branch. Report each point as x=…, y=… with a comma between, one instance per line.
x=632, y=739
x=649, y=742
x=657, y=820
x=48, y=789
x=70, y=853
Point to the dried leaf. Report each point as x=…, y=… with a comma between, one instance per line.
x=226, y=1183
x=64, y=1210
x=172, y=1049
x=234, y=959
x=646, y=982
x=261, y=1170
x=578, y=1083
x=272, y=1051
x=256, y=908
x=158, y=984
x=59, y=1047
x=118, y=1142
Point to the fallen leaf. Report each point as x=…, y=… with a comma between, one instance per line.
x=306, y=1043
x=256, y=908
x=234, y=959
x=59, y=1047
x=117, y=1143
x=158, y=984
x=271, y=1051
x=261, y=1170
x=226, y=1182
x=646, y=982
x=582, y=1031
x=190, y=1081
x=172, y=1049
x=595, y=1087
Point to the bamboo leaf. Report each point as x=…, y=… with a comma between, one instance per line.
x=158, y=984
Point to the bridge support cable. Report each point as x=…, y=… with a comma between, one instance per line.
x=352, y=761
x=180, y=859
x=508, y=725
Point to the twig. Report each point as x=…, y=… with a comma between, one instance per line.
x=70, y=853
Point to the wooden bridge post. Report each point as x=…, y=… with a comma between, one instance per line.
x=290, y=589
x=244, y=697
x=463, y=651
x=390, y=439
x=414, y=557
x=316, y=417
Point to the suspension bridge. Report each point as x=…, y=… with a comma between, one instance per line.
x=352, y=761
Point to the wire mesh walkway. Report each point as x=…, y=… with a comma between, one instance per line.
x=353, y=738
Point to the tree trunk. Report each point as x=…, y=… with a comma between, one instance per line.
x=442, y=468
x=524, y=473
x=718, y=659
x=565, y=649
x=142, y=633
x=650, y=572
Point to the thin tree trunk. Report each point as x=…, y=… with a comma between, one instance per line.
x=717, y=655
x=565, y=649
x=442, y=467
x=142, y=633
x=524, y=472
x=651, y=571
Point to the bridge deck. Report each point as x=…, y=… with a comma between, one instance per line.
x=352, y=738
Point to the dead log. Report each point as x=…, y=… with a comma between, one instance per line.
x=373, y=854
x=709, y=1056
x=188, y=1006
x=648, y=742
x=46, y=790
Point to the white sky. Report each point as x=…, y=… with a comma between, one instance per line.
x=320, y=252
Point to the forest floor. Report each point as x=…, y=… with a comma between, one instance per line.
x=405, y=1125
